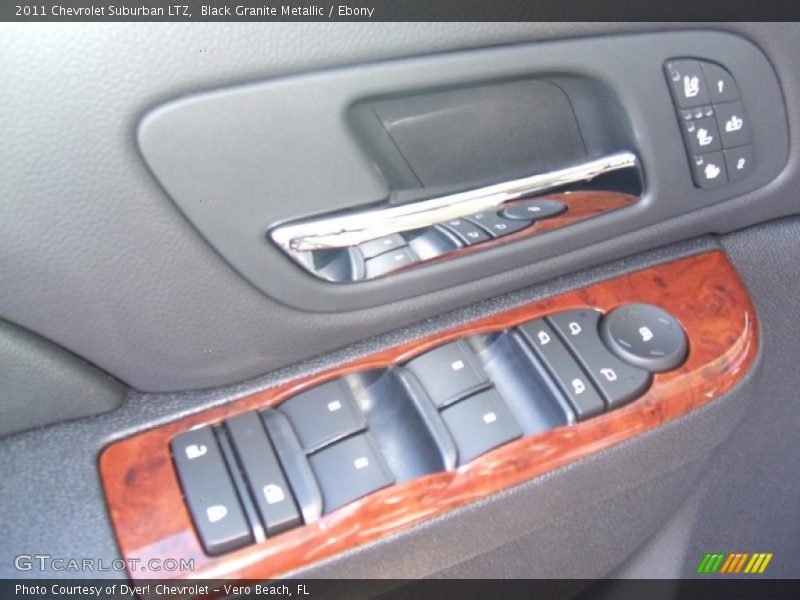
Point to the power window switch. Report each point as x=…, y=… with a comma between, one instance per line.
x=209, y=492
x=378, y=246
x=480, y=423
x=390, y=261
x=566, y=372
x=323, y=414
x=449, y=373
x=348, y=470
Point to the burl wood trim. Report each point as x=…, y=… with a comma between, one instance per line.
x=703, y=292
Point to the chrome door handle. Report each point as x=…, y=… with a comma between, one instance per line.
x=345, y=232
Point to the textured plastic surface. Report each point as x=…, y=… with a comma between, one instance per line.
x=43, y=384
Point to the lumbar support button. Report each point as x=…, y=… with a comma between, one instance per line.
x=645, y=336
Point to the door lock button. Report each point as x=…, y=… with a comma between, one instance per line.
x=569, y=376
x=618, y=381
x=209, y=492
x=645, y=336
x=272, y=495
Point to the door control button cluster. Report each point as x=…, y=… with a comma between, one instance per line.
x=618, y=382
x=716, y=129
x=269, y=471
x=645, y=336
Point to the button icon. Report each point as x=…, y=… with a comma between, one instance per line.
x=735, y=123
x=334, y=406
x=703, y=137
x=574, y=328
x=544, y=338
x=720, y=85
x=711, y=171
x=362, y=462
x=216, y=513
x=609, y=374
x=273, y=493
x=578, y=386
x=195, y=451
x=740, y=164
x=489, y=417
x=691, y=86
x=457, y=365
x=646, y=333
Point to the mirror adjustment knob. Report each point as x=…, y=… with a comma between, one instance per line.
x=645, y=336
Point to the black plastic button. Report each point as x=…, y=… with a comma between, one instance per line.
x=271, y=492
x=323, y=414
x=701, y=135
x=708, y=170
x=432, y=242
x=479, y=424
x=734, y=126
x=496, y=225
x=739, y=162
x=645, y=336
x=349, y=470
x=295, y=464
x=569, y=376
x=380, y=245
x=467, y=232
x=721, y=86
x=534, y=209
x=209, y=492
x=449, y=373
x=617, y=381
x=390, y=261
x=687, y=82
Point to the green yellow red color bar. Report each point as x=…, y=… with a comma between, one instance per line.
x=737, y=562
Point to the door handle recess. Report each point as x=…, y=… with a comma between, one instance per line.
x=347, y=247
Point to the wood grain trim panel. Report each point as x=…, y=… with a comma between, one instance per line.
x=703, y=292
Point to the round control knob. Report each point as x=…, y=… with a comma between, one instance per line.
x=534, y=210
x=645, y=336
